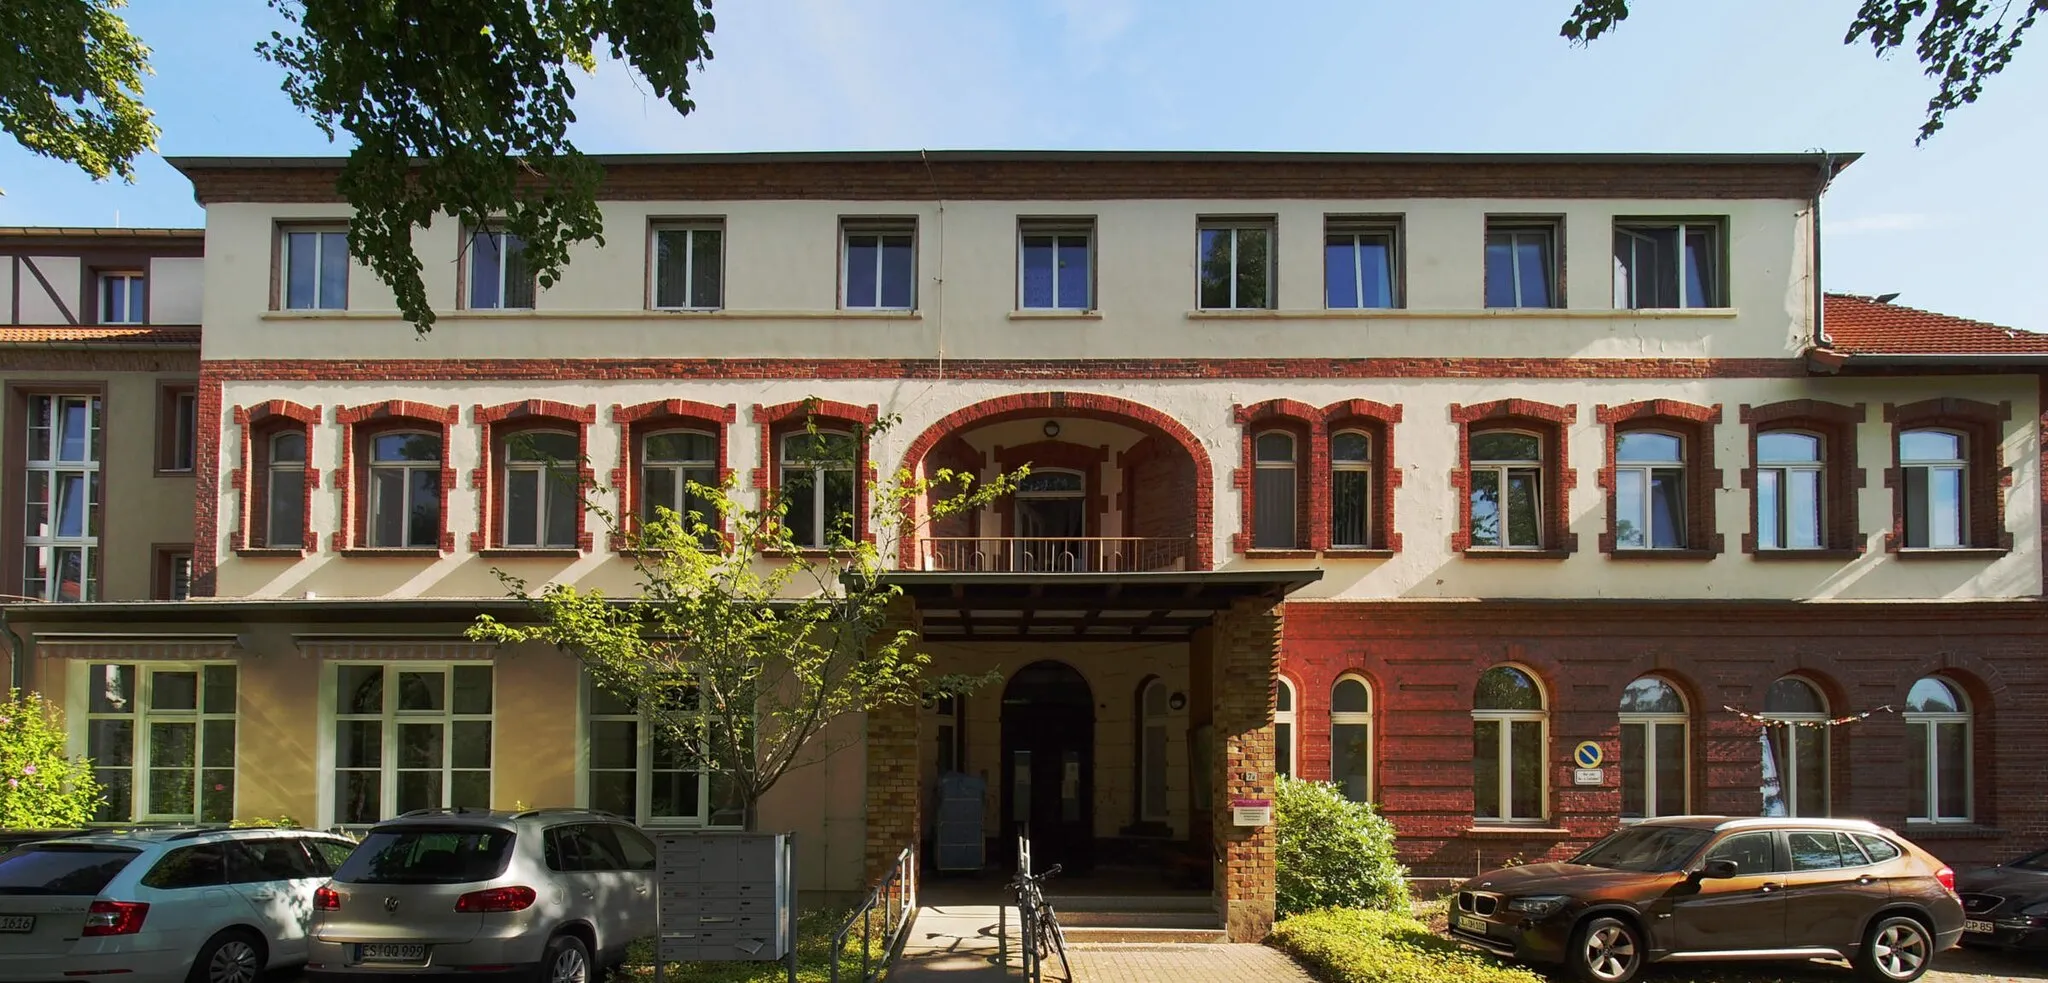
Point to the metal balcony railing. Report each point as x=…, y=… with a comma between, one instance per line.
x=1070, y=554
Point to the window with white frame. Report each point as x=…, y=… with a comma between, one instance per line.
x=689, y=266
x=162, y=740
x=1521, y=263
x=1283, y=726
x=124, y=298
x=284, y=491
x=543, y=503
x=1152, y=752
x=1055, y=265
x=1654, y=772
x=1659, y=265
x=818, y=487
x=881, y=266
x=405, y=491
x=1788, y=490
x=498, y=276
x=1350, y=490
x=1359, y=264
x=1933, y=464
x=315, y=263
x=1937, y=753
x=1795, y=756
x=1351, y=737
x=62, y=499
x=1235, y=264
x=1274, y=490
x=631, y=770
x=1506, y=489
x=1509, y=736
x=670, y=463
x=410, y=736
x=1649, y=490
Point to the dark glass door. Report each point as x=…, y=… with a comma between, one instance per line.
x=1048, y=779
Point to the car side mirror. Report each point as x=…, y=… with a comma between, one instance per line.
x=1717, y=870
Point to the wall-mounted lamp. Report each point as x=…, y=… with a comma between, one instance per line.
x=1178, y=701
x=1052, y=428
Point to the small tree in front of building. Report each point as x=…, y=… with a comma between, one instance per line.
x=43, y=788
x=1333, y=852
x=744, y=644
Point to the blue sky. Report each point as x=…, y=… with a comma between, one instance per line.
x=1953, y=226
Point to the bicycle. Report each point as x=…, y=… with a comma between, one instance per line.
x=1040, y=924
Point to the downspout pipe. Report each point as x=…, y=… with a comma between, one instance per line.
x=16, y=674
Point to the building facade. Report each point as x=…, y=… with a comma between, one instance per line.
x=1409, y=472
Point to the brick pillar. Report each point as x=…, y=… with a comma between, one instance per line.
x=894, y=798
x=1247, y=654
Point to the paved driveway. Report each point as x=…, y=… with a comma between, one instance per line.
x=1953, y=966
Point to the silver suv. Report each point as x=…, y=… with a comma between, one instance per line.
x=549, y=894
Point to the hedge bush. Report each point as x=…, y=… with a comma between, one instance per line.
x=41, y=787
x=1356, y=946
x=1333, y=852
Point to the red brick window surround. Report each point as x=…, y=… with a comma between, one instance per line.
x=531, y=488
x=276, y=479
x=1976, y=432
x=361, y=426
x=1343, y=507
x=1360, y=485
x=672, y=422
x=1780, y=435
x=1659, y=480
x=782, y=421
x=1553, y=478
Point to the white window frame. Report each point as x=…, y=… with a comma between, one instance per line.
x=1061, y=231
x=1645, y=470
x=129, y=280
x=878, y=228
x=389, y=720
x=275, y=467
x=1550, y=232
x=1292, y=465
x=1634, y=229
x=1960, y=465
x=1356, y=230
x=44, y=461
x=1148, y=722
x=643, y=768
x=680, y=470
x=820, y=513
x=1287, y=716
x=690, y=227
x=469, y=271
x=1681, y=719
x=1234, y=226
x=375, y=496
x=1351, y=466
x=545, y=473
x=284, y=278
x=1791, y=781
x=1353, y=718
x=1931, y=722
x=78, y=711
x=1506, y=749
x=1785, y=470
x=1504, y=467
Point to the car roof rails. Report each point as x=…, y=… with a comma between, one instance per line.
x=445, y=811
x=570, y=810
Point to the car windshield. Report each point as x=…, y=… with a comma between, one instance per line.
x=2036, y=861
x=62, y=868
x=414, y=855
x=1646, y=849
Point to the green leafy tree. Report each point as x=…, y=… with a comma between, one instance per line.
x=1332, y=852
x=40, y=786
x=71, y=84
x=1961, y=44
x=743, y=644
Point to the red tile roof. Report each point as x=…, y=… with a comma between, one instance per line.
x=98, y=335
x=1862, y=326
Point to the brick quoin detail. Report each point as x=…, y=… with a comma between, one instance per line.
x=1313, y=428
x=1092, y=406
x=358, y=425
x=1694, y=425
x=1986, y=473
x=641, y=420
x=1553, y=423
x=774, y=422
x=258, y=425
x=206, y=480
x=505, y=420
x=1835, y=424
x=1247, y=656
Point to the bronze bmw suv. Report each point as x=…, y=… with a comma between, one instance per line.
x=1699, y=888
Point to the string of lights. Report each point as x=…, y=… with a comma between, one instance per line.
x=1769, y=720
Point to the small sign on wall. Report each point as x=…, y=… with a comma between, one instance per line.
x=1589, y=776
x=1251, y=812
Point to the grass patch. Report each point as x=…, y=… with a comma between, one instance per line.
x=814, y=931
x=1357, y=946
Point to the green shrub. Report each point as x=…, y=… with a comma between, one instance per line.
x=1333, y=852
x=41, y=787
x=266, y=822
x=1354, y=946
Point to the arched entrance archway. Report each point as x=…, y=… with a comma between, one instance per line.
x=1048, y=780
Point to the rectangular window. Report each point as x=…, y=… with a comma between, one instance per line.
x=172, y=576
x=1653, y=760
x=1938, y=770
x=1236, y=264
x=162, y=741
x=1055, y=265
x=315, y=269
x=1667, y=265
x=61, y=528
x=124, y=298
x=689, y=266
x=631, y=770
x=499, y=278
x=1361, y=264
x=881, y=266
x=177, y=428
x=410, y=736
x=1522, y=263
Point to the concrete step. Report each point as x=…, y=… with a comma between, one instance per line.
x=1177, y=920
x=1078, y=936
x=1064, y=903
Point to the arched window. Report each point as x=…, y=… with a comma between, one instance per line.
x=1507, y=490
x=1509, y=735
x=1933, y=464
x=669, y=462
x=1350, y=490
x=1789, y=491
x=1654, y=755
x=405, y=490
x=1937, y=753
x=818, y=487
x=1351, y=737
x=284, y=492
x=1283, y=726
x=1152, y=752
x=1274, y=491
x=1649, y=491
x=543, y=506
x=1795, y=749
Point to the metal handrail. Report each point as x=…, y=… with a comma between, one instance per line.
x=896, y=899
x=1053, y=554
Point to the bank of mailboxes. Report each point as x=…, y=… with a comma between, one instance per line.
x=725, y=897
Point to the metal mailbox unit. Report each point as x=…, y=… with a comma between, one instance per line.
x=725, y=897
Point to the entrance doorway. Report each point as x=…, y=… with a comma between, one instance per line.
x=1048, y=780
x=1051, y=510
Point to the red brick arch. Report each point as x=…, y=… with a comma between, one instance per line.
x=1086, y=406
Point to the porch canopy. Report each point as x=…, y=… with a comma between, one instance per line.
x=1066, y=607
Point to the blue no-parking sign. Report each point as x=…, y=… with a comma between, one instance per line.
x=1588, y=755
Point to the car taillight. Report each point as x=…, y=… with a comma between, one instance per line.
x=326, y=899
x=1947, y=877
x=496, y=899
x=115, y=917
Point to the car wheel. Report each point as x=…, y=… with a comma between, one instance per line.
x=1897, y=950
x=566, y=961
x=231, y=956
x=1605, y=950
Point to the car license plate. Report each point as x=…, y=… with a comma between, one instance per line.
x=1470, y=924
x=391, y=952
x=17, y=923
x=1974, y=925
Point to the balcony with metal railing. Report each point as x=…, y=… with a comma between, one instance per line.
x=1065, y=554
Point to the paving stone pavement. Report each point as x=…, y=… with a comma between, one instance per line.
x=1138, y=963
